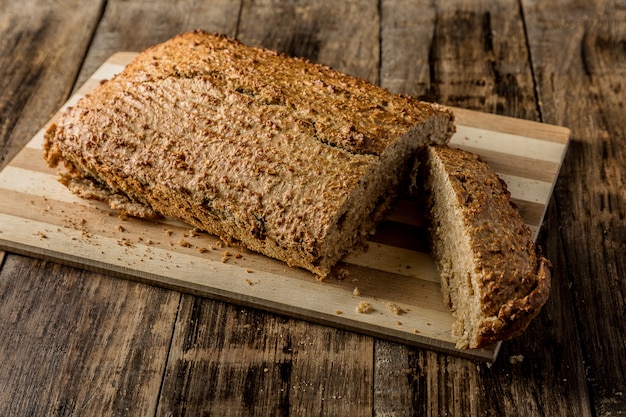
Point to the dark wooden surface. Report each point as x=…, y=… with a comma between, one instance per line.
x=76, y=343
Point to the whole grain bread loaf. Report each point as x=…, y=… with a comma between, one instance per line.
x=291, y=159
x=492, y=274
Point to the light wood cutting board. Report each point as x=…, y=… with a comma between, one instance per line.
x=40, y=217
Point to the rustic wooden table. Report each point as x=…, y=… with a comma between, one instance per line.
x=79, y=343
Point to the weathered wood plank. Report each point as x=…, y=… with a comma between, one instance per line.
x=580, y=63
x=477, y=58
x=76, y=343
x=418, y=57
x=40, y=54
x=123, y=28
x=227, y=360
x=344, y=35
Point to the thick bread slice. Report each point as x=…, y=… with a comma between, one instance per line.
x=290, y=158
x=492, y=275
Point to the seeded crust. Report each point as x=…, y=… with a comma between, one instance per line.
x=289, y=158
x=493, y=277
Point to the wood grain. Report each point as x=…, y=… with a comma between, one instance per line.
x=40, y=55
x=580, y=66
x=226, y=360
x=322, y=31
x=119, y=29
x=80, y=344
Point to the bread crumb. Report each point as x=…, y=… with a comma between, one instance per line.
x=119, y=228
x=356, y=291
x=399, y=323
x=338, y=312
x=342, y=274
x=238, y=256
x=42, y=235
x=416, y=331
x=250, y=283
x=225, y=256
x=364, y=307
x=516, y=359
x=249, y=271
x=395, y=309
x=202, y=249
x=124, y=242
x=168, y=232
x=184, y=243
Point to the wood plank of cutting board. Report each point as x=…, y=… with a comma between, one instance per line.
x=40, y=217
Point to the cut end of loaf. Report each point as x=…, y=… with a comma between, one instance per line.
x=492, y=276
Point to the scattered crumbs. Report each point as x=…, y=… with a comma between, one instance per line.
x=356, y=291
x=395, y=309
x=238, y=256
x=250, y=283
x=399, y=323
x=342, y=274
x=416, y=331
x=149, y=242
x=168, y=232
x=139, y=239
x=516, y=359
x=249, y=271
x=202, y=249
x=119, y=228
x=364, y=307
x=338, y=312
x=184, y=243
x=41, y=235
x=124, y=242
x=225, y=256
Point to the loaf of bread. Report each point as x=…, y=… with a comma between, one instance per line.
x=289, y=158
x=492, y=275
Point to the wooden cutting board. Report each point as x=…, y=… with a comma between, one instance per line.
x=396, y=276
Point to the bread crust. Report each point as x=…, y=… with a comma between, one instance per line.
x=275, y=152
x=511, y=276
